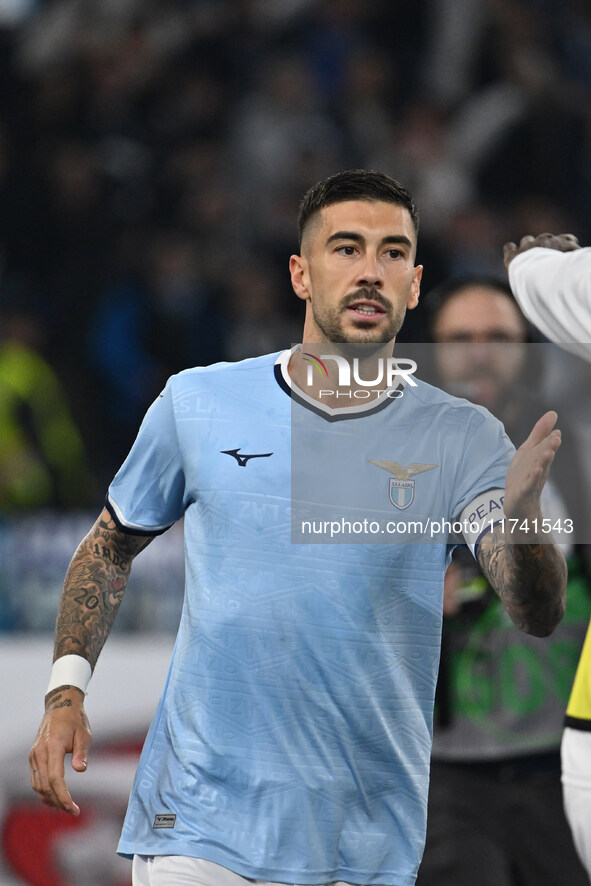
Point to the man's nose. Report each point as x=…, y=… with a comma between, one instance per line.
x=369, y=273
x=482, y=351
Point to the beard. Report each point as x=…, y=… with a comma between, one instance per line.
x=484, y=387
x=330, y=322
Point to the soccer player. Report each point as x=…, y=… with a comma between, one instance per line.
x=550, y=276
x=292, y=740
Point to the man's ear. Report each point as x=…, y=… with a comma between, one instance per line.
x=415, y=289
x=298, y=268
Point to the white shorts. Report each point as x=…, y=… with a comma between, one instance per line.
x=576, y=789
x=180, y=870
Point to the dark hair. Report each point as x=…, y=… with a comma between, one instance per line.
x=355, y=184
x=440, y=295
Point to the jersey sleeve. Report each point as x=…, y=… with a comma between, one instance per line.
x=487, y=454
x=148, y=492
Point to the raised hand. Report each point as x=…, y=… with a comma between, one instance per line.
x=529, y=469
x=561, y=242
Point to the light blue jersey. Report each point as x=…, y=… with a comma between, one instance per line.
x=293, y=737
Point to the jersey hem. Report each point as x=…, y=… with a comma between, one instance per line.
x=577, y=723
x=279, y=876
x=132, y=528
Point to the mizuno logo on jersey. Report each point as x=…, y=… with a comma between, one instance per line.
x=401, y=490
x=243, y=459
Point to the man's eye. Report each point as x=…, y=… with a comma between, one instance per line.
x=346, y=250
x=394, y=253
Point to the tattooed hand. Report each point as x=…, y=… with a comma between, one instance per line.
x=64, y=730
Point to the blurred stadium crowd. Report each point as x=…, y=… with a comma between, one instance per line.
x=152, y=157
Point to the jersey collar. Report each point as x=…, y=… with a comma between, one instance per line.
x=329, y=413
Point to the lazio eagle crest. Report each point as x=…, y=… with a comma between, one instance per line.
x=402, y=487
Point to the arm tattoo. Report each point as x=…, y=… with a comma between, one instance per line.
x=55, y=700
x=530, y=580
x=95, y=583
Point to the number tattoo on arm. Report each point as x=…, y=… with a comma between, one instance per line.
x=94, y=587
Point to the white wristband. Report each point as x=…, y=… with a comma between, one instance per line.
x=70, y=670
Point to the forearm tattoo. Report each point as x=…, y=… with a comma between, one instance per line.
x=93, y=589
x=530, y=580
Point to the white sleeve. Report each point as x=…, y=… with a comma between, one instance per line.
x=553, y=290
